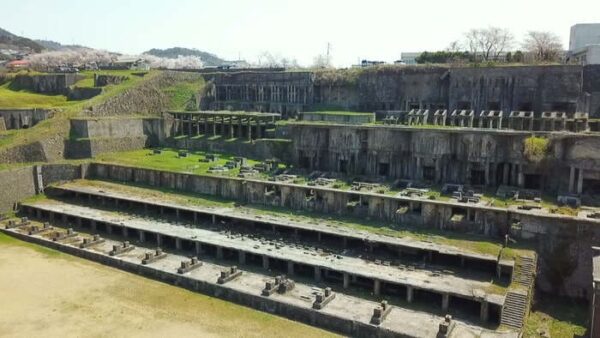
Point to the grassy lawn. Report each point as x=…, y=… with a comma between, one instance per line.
x=169, y=160
x=558, y=317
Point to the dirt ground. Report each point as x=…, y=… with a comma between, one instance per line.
x=50, y=294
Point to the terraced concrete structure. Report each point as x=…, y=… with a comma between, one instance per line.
x=470, y=190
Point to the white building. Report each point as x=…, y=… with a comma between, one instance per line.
x=584, y=44
x=409, y=58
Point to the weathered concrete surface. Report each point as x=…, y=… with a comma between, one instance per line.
x=24, y=118
x=538, y=88
x=245, y=290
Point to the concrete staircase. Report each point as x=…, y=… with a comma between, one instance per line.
x=516, y=303
x=515, y=308
x=526, y=267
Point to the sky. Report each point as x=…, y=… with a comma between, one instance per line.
x=355, y=30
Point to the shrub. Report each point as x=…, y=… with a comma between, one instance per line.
x=535, y=148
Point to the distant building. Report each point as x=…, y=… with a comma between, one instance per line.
x=409, y=58
x=131, y=63
x=584, y=44
x=369, y=63
x=17, y=65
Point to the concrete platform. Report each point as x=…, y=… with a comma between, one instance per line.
x=344, y=235
x=296, y=305
x=445, y=288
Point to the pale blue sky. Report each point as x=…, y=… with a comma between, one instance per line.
x=373, y=29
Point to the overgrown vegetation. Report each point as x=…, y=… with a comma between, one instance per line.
x=184, y=95
x=556, y=318
x=535, y=148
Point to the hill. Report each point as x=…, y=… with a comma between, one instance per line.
x=209, y=60
x=53, y=45
x=9, y=40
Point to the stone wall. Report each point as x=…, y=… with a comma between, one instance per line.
x=146, y=99
x=90, y=137
x=343, y=118
x=24, y=118
x=259, y=149
x=46, y=84
x=102, y=80
x=16, y=185
x=565, y=88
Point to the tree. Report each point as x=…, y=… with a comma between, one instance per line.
x=488, y=43
x=544, y=46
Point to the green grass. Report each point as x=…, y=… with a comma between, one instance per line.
x=59, y=123
x=558, y=317
x=170, y=161
x=180, y=93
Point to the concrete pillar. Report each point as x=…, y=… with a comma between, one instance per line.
x=178, y=243
x=318, y=236
x=240, y=129
x=214, y=126
x=484, y=311
x=249, y=129
x=265, y=262
x=214, y=219
x=198, y=248
x=124, y=231
x=158, y=240
x=195, y=218
x=206, y=125
x=409, y=294
x=487, y=174
x=346, y=280
x=231, y=127
x=176, y=215
x=580, y=181
x=93, y=225
x=109, y=229
x=505, y=171
x=219, y=252
x=376, y=287
x=344, y=242
x=445, y=301
x=521, y=176
x=198, y=127
x=290, y=268
x=242, y=257
x=189, y=120
x=142, y=236
x=222, y=127
x=317, y=274
x=258, y=130
x=572, y=179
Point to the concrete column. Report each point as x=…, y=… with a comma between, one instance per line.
x=64, y=219
x=319, y=236
x=572, y=179
x=94, y=225
x=177, y=215
x=195, y=218
x=124, y=231
x=158, y=240
x=409, y=294
x=265, y=262
x=249, y=129
x=484, y=311
x=344, y=242
x=231, y=127
x=219, y=252
x=317, y=274
x=376, y=287
x=346, y=280
x=240, y=129
x=214, y=126
x=198, y=127
x=445, y=301
x=198, y=248
x=505, y=171
x=214, y=219
x=580, y=181
x=258, y=131
x=178, y=243
x=290, y=268
x=109, y=229
x=189, y=125
x=222, y=127
x=142, y=236
x=206, y=125
x=521, y=176
x=487, y=174
x=242, y=257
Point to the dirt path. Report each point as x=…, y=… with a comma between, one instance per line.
x=44, y=293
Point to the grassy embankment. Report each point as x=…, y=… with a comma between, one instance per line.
x=10, y=98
